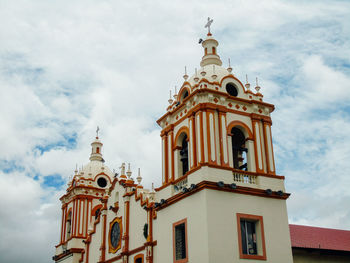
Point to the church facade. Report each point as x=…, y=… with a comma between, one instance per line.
x=220, y=199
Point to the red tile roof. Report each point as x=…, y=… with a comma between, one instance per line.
x=319, y=238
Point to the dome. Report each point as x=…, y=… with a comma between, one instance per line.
x=212, y=72
x=94, y=168
x=96, y=165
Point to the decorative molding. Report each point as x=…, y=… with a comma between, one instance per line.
x=111, y=249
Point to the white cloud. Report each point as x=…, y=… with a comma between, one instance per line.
x=67, y=67
x=26, y=221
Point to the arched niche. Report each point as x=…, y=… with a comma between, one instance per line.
x=69, y=224
x=182, y=152
x=183, y=94
x=241, y=146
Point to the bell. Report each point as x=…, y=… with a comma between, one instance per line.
x=242, y=149
x=244, y=166
x=184, y=155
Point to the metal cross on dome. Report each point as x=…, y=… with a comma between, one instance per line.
x=97, y=130
x=208, y=24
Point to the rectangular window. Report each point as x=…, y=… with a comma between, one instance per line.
x=251, y=236
x=180, y=241
x=248, y=236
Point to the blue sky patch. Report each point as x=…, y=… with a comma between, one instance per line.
x=69, y=142
x=10, y=166
x=54, y=180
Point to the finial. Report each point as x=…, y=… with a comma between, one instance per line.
x=122, y=169
x=208, y=24
x=152, y=187
x=97, y=130
x=257, y=88
x=185, y=76
x=214, y=76
x=76, y=168
x=139, y=178
x=196, y=75
x=175, y=94
x=203, y=72
x=129, y=171
x=229, y=69
x=170, y=100
x=247, y=85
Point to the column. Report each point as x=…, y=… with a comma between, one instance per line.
x=258, y=147
x=193, y=140
x=269, y=148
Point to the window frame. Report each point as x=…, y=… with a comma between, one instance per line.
x=259, y=232
x=183, y=221
x=139, y=256
x=182, y=94
x=111, y=248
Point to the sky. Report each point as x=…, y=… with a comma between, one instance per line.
x=69, y=66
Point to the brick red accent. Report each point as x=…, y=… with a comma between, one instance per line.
x=319, y=238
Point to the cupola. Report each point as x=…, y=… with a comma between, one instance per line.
x=96, y=150
x=210, y=45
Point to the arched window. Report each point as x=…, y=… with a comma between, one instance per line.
x=97, y=212
x=98, y=150
x=239, y=150
x=213, y=50
x=184, y=155
x=69, y=224
x=184, y=94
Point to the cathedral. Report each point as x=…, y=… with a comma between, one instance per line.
x=220, y=199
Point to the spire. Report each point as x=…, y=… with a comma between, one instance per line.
x=122, y=172
x=96, y=151
x=229, y=69
x=139, y=178
x=170, y=100
x=185, y=76
x=257, y=88
x=210, y=48
x=247, y=85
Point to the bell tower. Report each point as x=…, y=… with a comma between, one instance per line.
x=82, y=204
x=218, y=174
x=215, y=121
